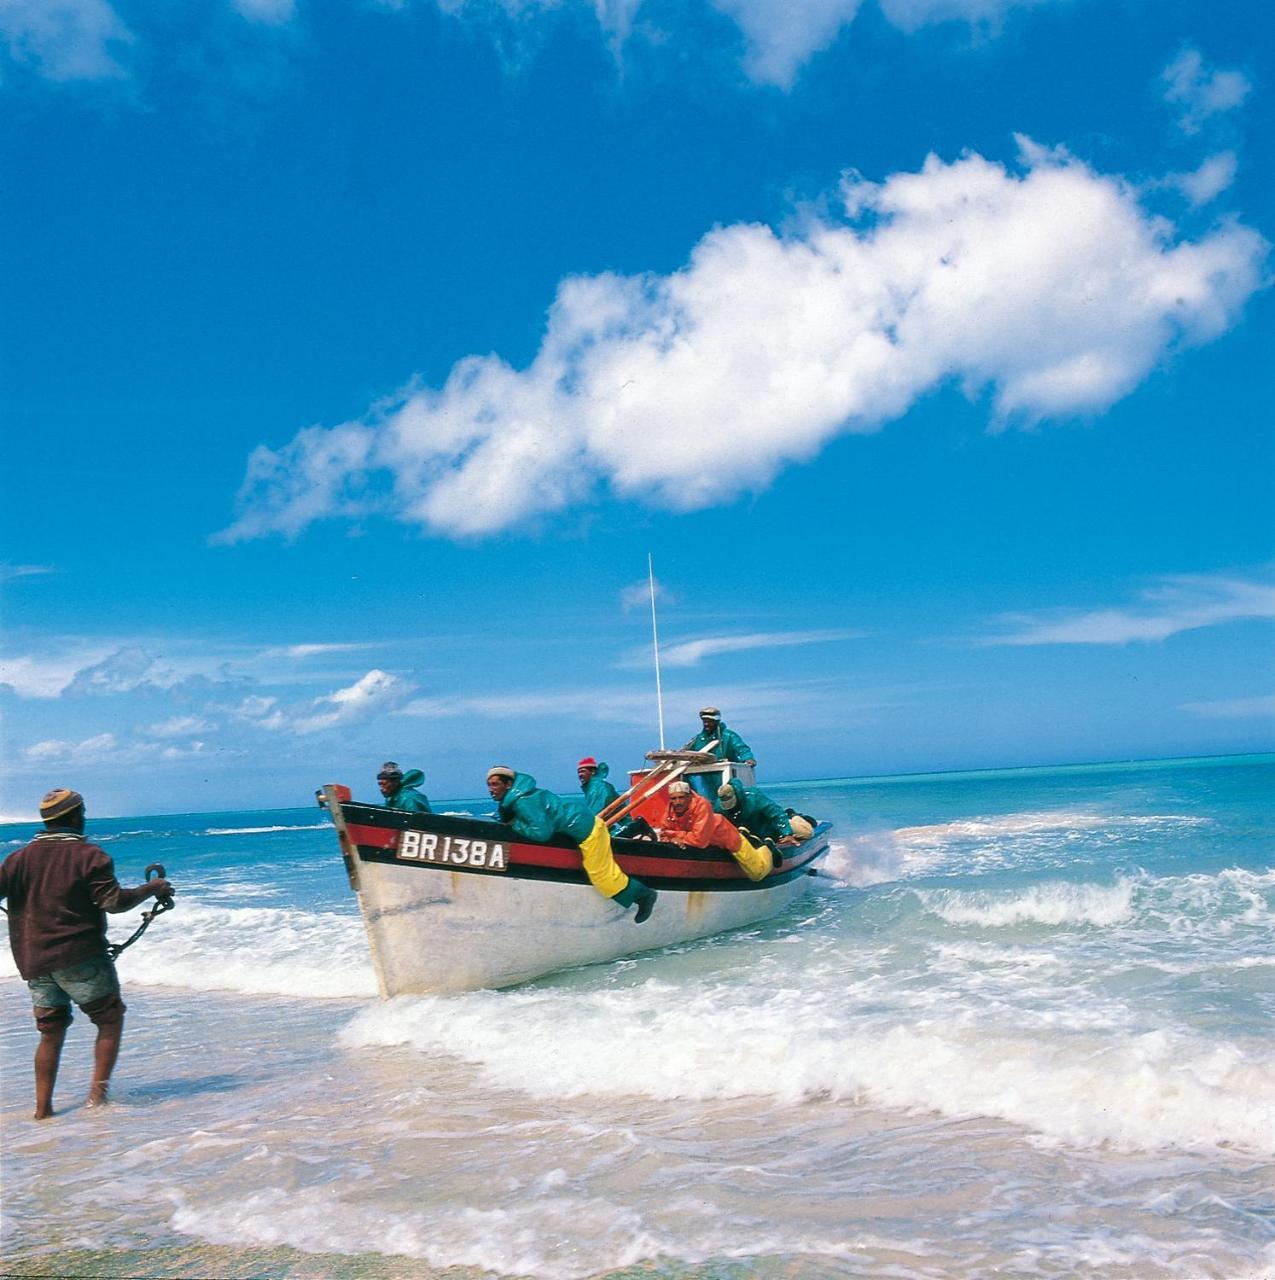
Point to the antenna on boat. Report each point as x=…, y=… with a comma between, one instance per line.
x=655, y=643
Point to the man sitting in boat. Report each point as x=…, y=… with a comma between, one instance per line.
x=688, y=819
x=399, y=788
x=537, y=814
x=730, y=746
x=752, y=809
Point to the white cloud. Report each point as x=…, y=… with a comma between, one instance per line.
x=911, y=15
x=99, y=749
x=311, y=650
x=47, y=674
x=375, y=692
x=1238, y=708
x=1173, y=605
x=64, y=39
x=1207, y=182
x=271, y=12
x=638, y=596
x=1052, y=288
x=105, y=749
x=179, y=727
x=690, y=653
x=8, y=572
x=781, y=36
x=1200, y=92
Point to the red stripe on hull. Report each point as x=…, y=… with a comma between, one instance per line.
x=539, y=855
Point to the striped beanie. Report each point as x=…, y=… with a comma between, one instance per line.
x=59, y=802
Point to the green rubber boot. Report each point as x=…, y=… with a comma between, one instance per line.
x=635, y=893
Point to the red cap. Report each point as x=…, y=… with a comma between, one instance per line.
x=587, y=763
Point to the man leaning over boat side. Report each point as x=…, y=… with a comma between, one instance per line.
x=59, y=888
x=400, y=789
x=688, y=819
x=537, y=814
x=730, y=746
x=752, y=809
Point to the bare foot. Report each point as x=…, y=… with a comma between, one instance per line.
x=42, y=1113
x=99, y=1096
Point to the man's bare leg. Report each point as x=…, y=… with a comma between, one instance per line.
x=105, y=1050
x=48, y=1053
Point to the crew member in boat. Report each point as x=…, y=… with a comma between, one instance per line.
x=688, y=819
x=58, y=888
x=752, y=809
x=730, y=746
x=598, y=792
x=400, y=789
x=537, y=814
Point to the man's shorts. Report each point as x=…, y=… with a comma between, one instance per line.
x=92, y=984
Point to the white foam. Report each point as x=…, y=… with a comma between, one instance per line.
x=1056, y=903
x=254, y=950
x=549, y=1229
x=1036, y=823
x=662, y=1041
x=261, y=831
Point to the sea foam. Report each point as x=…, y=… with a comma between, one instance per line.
x=1132, y=1091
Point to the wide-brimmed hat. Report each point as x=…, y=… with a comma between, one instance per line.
x=59, y=802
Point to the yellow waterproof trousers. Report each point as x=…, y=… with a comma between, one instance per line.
x=599, y=862
x=756, y=862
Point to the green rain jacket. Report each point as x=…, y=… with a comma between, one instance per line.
x=407, y=797
x=598, y=792
x=730, y=745
x=537, y=814
x=755, y=810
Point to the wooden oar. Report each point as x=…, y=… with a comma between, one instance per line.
x=647, y=787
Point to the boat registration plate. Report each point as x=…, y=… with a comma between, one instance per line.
x=452, y=851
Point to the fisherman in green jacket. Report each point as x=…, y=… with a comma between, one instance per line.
x=399, y=788
x=730, y=746
x=598, y=792
x=537, y=814
x=752, y=808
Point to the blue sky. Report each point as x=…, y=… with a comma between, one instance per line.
x=356, y=354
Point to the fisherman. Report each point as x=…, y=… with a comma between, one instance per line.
x=730, y=746
x=689, y=819
x=537, y=814
x=399, y=788
x=59, y=888
x=598, y=792
x=752, y=809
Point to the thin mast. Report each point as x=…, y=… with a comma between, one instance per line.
x=655, y=642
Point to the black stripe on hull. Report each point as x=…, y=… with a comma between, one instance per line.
x=566, y=875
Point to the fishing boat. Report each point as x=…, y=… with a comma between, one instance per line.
x=458, y=903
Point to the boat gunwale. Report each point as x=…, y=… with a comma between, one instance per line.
x=520, y=867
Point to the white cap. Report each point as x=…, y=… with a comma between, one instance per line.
x=679, y=788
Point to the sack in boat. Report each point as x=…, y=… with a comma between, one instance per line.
x=802, y=827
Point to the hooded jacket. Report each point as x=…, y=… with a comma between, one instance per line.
x=537, y=814
x=755, y=810
x=730, y=746
x=407, y=797
x=598, y=792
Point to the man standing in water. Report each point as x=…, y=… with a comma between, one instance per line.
x=59, y=888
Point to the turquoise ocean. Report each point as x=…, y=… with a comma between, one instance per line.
x=1024, y=1026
